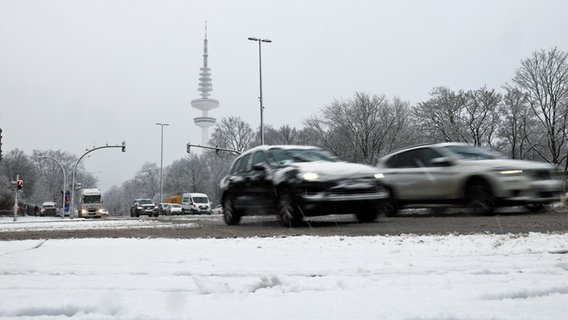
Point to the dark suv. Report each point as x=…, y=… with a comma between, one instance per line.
x=294, y=182
x=143, y=207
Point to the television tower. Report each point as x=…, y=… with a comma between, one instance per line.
x=205, y=103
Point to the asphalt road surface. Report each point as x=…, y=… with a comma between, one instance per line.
x=420, y=222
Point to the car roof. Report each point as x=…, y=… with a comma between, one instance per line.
x=435, y=145
x=279, y=146
x=417, y=146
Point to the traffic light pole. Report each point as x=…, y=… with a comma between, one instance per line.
x=217, y=149
x=72, y=205
x=16, y=203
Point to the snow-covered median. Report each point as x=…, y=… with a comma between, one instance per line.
x=382, y=277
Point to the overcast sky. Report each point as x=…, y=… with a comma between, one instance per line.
x=80, y=74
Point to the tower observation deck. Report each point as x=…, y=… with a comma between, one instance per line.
x=205, y=103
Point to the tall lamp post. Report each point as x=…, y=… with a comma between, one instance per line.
x=162, y=159
x=260, y=41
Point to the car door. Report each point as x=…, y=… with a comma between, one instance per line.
x=259, y=186
x=235, y=181
x=436, y=179
x=414, y=176
x=404, y=176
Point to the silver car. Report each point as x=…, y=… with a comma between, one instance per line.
x=456, y=174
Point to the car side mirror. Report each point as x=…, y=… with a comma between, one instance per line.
x=442, y=162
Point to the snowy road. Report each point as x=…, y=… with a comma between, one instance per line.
x=266, y=226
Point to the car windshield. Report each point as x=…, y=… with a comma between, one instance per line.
x=176, y=206
x=471, y=153
x=145, y=201
x=284, y=156
x=200, y=200
x=91, y=199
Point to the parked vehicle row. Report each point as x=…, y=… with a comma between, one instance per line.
x=170, y=208
x=191, y=203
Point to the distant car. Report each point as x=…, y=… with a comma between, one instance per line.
x=217, y=210
x=163, y=208
x=294, y=182
x=143, y=207
x=48, y=208
x=457, y=174
x=174, y=208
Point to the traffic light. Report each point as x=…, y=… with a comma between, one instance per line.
x=123, y=146
x=20, y=184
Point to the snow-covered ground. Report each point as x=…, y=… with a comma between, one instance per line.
x=410, y=277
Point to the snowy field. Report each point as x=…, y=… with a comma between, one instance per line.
x=410, y=277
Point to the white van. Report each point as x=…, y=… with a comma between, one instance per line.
x=195, y=203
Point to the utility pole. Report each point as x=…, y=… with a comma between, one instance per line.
x=162, y=160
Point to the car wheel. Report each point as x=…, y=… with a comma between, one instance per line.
x=288, y=211
x=389, y=208
x=368, y=212
x=230, y=215
x=479, y=198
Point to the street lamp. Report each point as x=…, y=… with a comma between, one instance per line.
x=74, y=170
x=64, y=183
x=162, y=159
x=260, y=41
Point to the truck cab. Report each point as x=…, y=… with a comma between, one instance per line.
x=91, y=204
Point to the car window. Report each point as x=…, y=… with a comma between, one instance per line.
x=242, y=165
x=259, y=157
x=468, y=152
x=405, y=159
x=284, y=156
x=425, y=157
x=235, y=166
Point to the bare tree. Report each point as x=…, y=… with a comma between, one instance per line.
x=464, y=116
x=283, y=135
x=481, y=115
x=441, y=116
x=50, y=175
x=359, y=129
x=232, y=133
x=15, y=163
x=146, y=183
x=517, y=124
x=544, y=78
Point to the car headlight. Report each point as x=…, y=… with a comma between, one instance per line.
x=511, y=172
x=309, y=176
x=83, y=211
x=379, y=176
